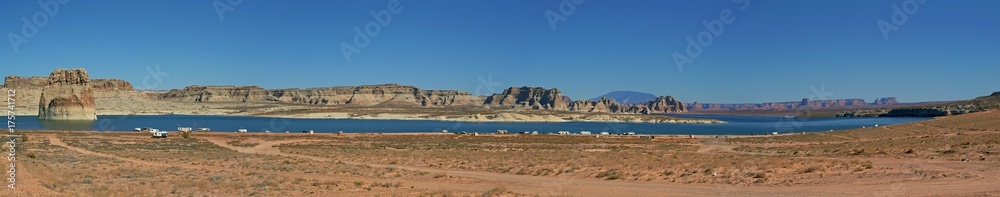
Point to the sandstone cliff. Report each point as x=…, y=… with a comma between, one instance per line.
x=603, y=104
x=529, y=98
x=39, y=82
x=109, y=94
x=978, y=104
x=662, y=104
x=885, y=101
x=25, y=83
x=665, y=104
x=217, y=94
x=627, y=97
x=783, y=106
x=111, y=85
x=354, y=95
x=67, y=96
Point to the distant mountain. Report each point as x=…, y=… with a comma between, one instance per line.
x=628, y=97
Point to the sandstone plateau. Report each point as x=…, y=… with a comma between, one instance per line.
x=513, y=98
x=979, y=104
x=67, y=96
x=662, y=104
x=529, y=98
x=366, y=95
x=805, y=103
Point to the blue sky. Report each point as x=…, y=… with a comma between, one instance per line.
x=772, y=51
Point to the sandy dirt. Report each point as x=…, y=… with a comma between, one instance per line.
x=951, y=156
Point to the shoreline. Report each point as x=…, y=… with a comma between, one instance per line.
x=175, y=134
x=417, y=117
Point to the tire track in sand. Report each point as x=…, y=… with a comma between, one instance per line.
x=54, y=140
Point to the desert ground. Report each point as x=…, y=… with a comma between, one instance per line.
x=947, y=156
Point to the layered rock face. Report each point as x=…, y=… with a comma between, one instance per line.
x=781, y=106
x=628, y=97
x=67, y=96
x=217, y=94
x=928, y=112
x=25, y=83
x=983, y=103
x=109, y=93
x=666, y=104
x=529, y=98
x=111, y=85
x=355, y=95
x=662, y=104
x=603, y=104
x=862, y=113
x=450, y=97
x=886, y=101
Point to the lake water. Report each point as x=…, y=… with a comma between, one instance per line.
x=738, y=125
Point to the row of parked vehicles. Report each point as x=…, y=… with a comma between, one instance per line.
x=550, y=133
x=157, y=133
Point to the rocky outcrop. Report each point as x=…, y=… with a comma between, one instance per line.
x=30, y=83
x=604, y=104
x=111, y=85
x=862, y=113
x=529, y=98
x=662, y=104
x=885, y=101
x=628, y=97
x=217, y=94
x=67, y=96
x=449, y=97
x=983, y=103
x=665, y=104
x=805, y=103
x=353, y=95
x=928, y=112
x=25, y=83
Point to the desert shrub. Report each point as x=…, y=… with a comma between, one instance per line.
x=612, y=174
x=811, y=169
x=498, y=191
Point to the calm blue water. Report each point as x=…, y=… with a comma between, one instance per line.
x=737, y=125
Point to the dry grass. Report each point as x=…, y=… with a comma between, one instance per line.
x=611, y=159
x=962, y=148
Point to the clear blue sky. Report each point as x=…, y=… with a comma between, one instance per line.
x=772, y=51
